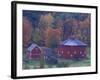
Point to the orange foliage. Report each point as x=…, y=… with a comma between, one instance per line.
x=27, y=30
x=85, y=23
x=46, y=19
x=53, y=33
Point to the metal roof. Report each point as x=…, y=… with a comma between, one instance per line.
x=73, y=42
x=32, y=46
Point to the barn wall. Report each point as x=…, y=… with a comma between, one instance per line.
x=70, y=52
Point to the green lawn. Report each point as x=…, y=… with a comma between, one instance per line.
x=37, y=64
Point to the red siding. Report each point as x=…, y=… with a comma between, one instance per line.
x=36, y=53
x=71, y=52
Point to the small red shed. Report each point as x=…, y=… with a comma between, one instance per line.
x=72, y=49
x=34, y=51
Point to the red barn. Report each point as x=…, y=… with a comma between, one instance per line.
x=34, y=51
x=72, y=49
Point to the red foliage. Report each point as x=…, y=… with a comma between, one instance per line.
x=27, y=30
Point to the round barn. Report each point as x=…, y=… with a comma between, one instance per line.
x=72, y=49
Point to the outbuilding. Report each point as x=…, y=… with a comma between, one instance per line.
x=34, y=51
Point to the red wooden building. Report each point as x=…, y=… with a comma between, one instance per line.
x=72, y=49
x=34, y=51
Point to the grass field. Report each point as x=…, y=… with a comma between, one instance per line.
x=37, y=64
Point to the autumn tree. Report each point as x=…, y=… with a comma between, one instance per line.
x=27, y=31
x=45, y=22
x=53, y=36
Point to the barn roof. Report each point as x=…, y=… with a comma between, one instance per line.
x=73, y=42
x=32, y=46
